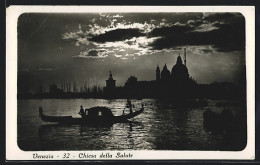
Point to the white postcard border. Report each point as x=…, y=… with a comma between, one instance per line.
x=13, y=152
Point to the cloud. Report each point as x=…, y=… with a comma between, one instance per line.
x=195, y=23
x=79, y=37
x=70, y=35
x=206, y=27
x=224, y=31
x=111, y=32
x=225, y=17
x=117, y=35
x=139, y=46
x=207, y=51
x=203, y=49
x=102, y=15
x=223, y=36
x=117, y=16
x=171, y=30
x=129, y=55
x=93, y=20
x=118, y=55
x=92, y=53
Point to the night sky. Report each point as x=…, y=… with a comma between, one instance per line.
x=85, y=47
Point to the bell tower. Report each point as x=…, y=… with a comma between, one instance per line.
x=110, y=83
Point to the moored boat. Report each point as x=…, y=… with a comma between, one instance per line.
x=217, y=122
x=94, y=115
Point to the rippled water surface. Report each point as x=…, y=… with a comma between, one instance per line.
x=162, y=126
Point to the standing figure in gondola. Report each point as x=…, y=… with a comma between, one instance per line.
x=129, y=104
x=81, y=112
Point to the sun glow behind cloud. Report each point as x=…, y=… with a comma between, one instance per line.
x=113, y=31
x=139, y=45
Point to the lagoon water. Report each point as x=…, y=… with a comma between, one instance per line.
x=162, y=126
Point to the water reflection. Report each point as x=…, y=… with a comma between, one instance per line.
x=173, y=120
x=162, y=126
x=117, y=136
x=75, y=137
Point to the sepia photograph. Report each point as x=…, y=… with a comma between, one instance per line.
x=131, y=81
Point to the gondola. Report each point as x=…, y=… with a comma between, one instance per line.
x=94, y=116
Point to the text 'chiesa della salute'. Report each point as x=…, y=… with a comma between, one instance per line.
x=176, y=83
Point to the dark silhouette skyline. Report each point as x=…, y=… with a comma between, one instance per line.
x=177, y=84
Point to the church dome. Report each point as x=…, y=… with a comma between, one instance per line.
x=165, y=74
x=179, y=70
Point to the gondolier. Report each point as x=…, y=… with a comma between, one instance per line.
x=129, y=104
x=81, y=112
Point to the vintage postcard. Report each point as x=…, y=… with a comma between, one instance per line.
x=130, y=82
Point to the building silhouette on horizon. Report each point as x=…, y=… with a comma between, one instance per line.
x=176, y=83
x=179, y=72
x=110, y=84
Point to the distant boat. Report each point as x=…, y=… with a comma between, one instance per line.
x=217, y=122
x=94, y=116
